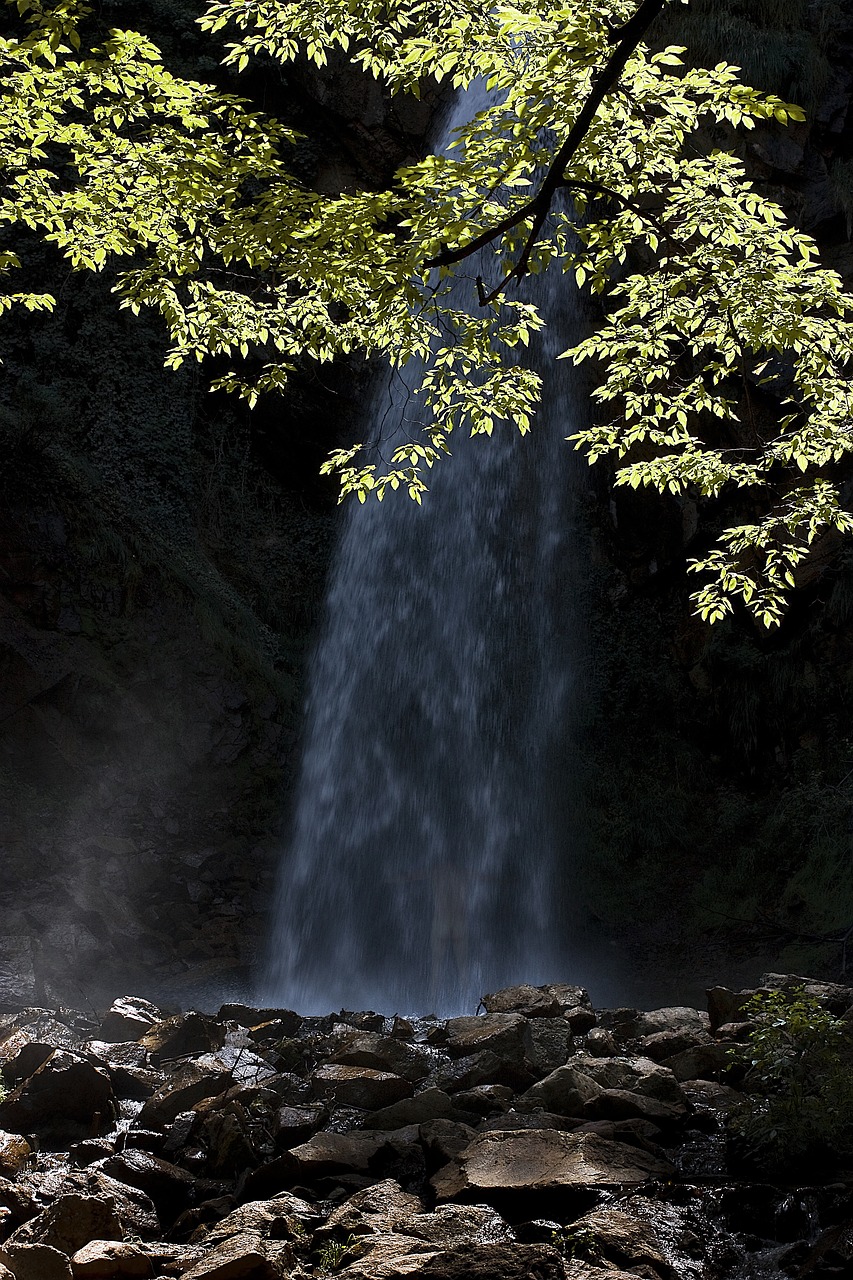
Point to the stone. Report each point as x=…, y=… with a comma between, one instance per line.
x=111, y=1260
x=128, y=1018
x=450, y=1225
x=35, y=1262
x=485, y=1067
x=599, y=1043
x=182, y=1035
x=623, y=1239
x=362, y=1087
x=431, y=1104
x=666, y=1044
x=384, y=1054
x=543, y=1160
x=708, y=1095
x=836, y=996
x=330, y=1152
x=550, y=1044
x=283, y=1217
x=21, y=1055
x=376, y=1210
x=702, y=1062
x=65, y=1094
x=15, y=1151
x=485, y=1100
x=493, y=1262
x=169, y=1187
x=444, y=1139
x=622, y=1104
x=568, y=1089
x=575, y=1006
x=291, y=1125
x=180, y=1092
x=675, y=1018
x=252, y=1018
x=565, y=1091
x=69, y=1223
x=532, y=1002
x=226, y=1136
x=243, y=1257
x=126, y=1064
x=502, y=1033
x=134, y=1209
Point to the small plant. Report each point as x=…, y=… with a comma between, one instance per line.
x=333, y=1253
x=578, y=1242
x=798, y=1084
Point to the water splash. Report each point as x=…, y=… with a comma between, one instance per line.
x=430, y=824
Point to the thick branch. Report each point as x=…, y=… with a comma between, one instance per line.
x=537, y=209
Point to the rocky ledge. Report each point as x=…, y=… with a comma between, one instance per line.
x=538, y=1140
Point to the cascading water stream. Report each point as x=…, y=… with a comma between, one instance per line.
x=430, y=822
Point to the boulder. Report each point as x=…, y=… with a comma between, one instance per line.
x=66, y=1094
x=624, y=1240
x=181, y=1036
x=362, y=1087
x=111, y=1260
x=702, y=1062
x=169, y=1187
x=21, y=1055
x=493, y=1262
x=15, y=1151
x=128, y=1018
x=291, y=1125
x=134, y=1209
x=331, y=1152
x=505, y=1034
x=836, y=996
x=69, y=1223
x=35, y=1262
x=674, y=1018
x=126, y=1064
x=377, y=1210
x=568, y=1089
x=565, y=1091
x=532, y=1002
x=622, y=1104
x=450, y=1225
x=550, y=1044
x=243, y=1257
x=442, y=1140
x=666, y=1044
x=543, y=1160
x=599, y=1043
x=485, y=1100
x=384, y=1053
x=485, y=1067
x=432, y=1104
x=283, y=1217
x=181, y=1091
x=229, y=1146
x=248, y=1016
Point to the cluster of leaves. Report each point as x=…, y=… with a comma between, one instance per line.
x=798, y=1082
x=108, y=154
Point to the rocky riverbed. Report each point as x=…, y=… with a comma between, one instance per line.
x=540, y=1139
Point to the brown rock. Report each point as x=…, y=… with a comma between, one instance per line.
x=485, y=1100
x=282, y=1217
x=69, y=1223
x=666, y=1044
x=184, y=1034
x=15, y=1151
x=599, y=1043
x=622, y=1104
x=376, y=1210
x=543, y=1160
x=622, y=1239
x=550, y=1044
x=568, y=1089
x=702, y=1062
x=169, y=1187
x=485, y=1067
x=384, y=1053
x=243, y=1257
x=489, y=1261
x=330, y=1152
x=111, y=1260
x=180, y=1092
x=35, y=1262
x=248, y=1016
x=64, y=1095
x=362, y=1087
x=532, y=1002
x=128, y=1018
x=503, y=1033
x=432, y=1104
x=678, y=1019
x=291, y=1125
x=451, y=1225
x=445, y=1139
x=134, y=1209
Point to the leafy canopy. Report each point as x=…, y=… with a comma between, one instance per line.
x=109, y=156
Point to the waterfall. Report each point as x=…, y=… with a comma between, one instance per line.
x=430, y=835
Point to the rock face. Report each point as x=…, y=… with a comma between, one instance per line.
x=269, y=1150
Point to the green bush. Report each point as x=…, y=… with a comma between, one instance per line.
x=798, y=1083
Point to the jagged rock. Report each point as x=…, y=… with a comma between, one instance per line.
x=284, y=1217
x=169, y=1187
x=329, y=1152
x=376, y=1210
x=291, y=1125
x=622, y=1104
x=69, y=1223
x=837, y=997
x=432, y=1104
x=702, y=1062
x=182, y=1035
x=505, y=1034
x=384, y=1054
x=485, y=1067
x=128, y=1018
x=134, y=1209
x=445, y=1139
x=243, y=1257
x=711, y=1096
x=248, y=1016
x=126, y=1064
x=599, y=1043
x=272, y=1033
x=485, y=1100
x=550, y=1044
x=458, y=1224
x=542, y=1160
x=244, y=1066
x=362, y=1087
x=673, y=1018
x=63, y=1095
x=623, y=1239
x=666, y=1044
x=568, y=1089
x=225, y=1134
x=21, y=1055
x=14, y=1153
x=565, y=1091
x=528, y=1120
x=180, y=1092
x=111, y=1260
x=35, y=1262
x=532, y=1002
x=402, y=1028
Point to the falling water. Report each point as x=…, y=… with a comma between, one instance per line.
x=430, y=827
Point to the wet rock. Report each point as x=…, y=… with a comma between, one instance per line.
x=376, y=1210
x=702, y=1062
x=134, y=1209
x=252, y=1018
x=362, y=1087
x=711, y=1096
x=666, y=1044
x=624, y=1240
x=181, y=1036
x=486, y=1262
x=226, y=1136
x=443, y=1140
x=458, y=1224
x=169, y=1187
x=675, y=1019
x=243, y=1257
x=21, y=1055
x=569, y=1089
x=485, y=1100
x=181, y=1091
x=69, y=1223
x=384, y=1054
x=14, y=1153
x=284, y=1217
x=35, y=1262
x=291, y=1125
x=485, y=1067
x=505, y=1034
x=565, y=1091
x=575, y=1006
x=529, y=1120
x=128, y=1018
x=599, y=1043
x=622, y=1104
x=126, y=1063
x=550, y=1044
x=111, y=1260
x=532, y=1002
x=543, y=1160
x=330, y=1152
x=431, y=1104
x=65, y=1094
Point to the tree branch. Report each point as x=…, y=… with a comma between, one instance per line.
x=538, y=208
